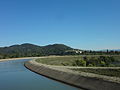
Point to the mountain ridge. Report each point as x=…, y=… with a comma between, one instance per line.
x=32, y=50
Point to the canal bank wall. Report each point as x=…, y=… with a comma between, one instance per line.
x=71, y=78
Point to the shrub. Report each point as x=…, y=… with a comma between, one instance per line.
x=90, y=65
x=102, y=63
x=80, y=62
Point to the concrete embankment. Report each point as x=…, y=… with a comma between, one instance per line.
x=75, y=79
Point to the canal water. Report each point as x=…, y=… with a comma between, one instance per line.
x=14, y=76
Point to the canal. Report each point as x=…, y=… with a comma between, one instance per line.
x=14, y=76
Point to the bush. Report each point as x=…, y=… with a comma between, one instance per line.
x=90, y=65
x=102, y=63
x=80, y=62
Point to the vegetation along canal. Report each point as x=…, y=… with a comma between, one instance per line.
x=14, y=76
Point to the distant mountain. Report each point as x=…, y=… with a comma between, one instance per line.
x=110, y=50
x=56, y=49
x=31, y=50
x=116, y=50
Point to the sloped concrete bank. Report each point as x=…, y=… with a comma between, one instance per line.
x=71, y=78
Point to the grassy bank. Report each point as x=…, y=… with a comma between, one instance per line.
x=86, y=61
x=114, y=72
x=87, y=81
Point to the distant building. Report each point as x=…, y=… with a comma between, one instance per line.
x=78, y=51
x=75, y=51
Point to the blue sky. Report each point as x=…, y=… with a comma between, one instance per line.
x=84, y=24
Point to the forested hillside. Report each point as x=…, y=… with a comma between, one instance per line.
x=31, y=50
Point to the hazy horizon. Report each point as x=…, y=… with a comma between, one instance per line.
x=65, y=44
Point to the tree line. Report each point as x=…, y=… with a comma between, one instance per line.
x=31, y=50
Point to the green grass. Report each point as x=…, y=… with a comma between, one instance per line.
x=61, y=61
x=72, y=60
x=107, y=72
